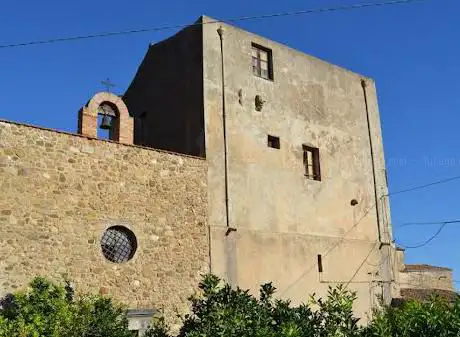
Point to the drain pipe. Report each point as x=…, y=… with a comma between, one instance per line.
x=220, y=31
x=386, y=284
x=363, y=85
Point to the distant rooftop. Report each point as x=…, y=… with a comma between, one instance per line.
x=422, y=295
x=425, y=294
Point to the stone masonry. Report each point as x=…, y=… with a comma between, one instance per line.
x=420, y=281
x=247, y=210
x=59, y=192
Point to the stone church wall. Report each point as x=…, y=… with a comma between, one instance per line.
x=58, y=194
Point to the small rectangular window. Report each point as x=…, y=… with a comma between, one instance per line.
x=311, y=162
x=320, y=263
x=273, y=142
x=262, y=62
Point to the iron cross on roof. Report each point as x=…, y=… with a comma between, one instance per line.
x=108, y=84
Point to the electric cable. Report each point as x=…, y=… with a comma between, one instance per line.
x=229, y=20
x=427, y=241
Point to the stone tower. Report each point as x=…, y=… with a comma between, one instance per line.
x=296, y=171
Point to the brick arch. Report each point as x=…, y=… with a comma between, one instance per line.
x=123, y=128
x=101, y=97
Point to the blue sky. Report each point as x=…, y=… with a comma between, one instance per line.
x=411, y=51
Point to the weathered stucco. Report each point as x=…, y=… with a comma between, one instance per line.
x=61, y=191
x=284, y=220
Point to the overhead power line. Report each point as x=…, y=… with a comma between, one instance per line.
x=229, y=20
x=428, y=223
x=427, y=241
x=415, y=188
x=442, y=223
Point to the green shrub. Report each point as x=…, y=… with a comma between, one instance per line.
x=47, y=309
x=434, y=318
x=226, y=312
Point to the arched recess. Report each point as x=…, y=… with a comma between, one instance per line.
x=123, y=124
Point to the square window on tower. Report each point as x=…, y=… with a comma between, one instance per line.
x=273, y=142
x=262, y=62
x=311, y=162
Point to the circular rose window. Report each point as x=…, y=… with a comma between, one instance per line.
x=118, y=244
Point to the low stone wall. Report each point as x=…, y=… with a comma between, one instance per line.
x=59, y=194
x=426, y=277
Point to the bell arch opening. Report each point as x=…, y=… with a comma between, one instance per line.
x=106, y=116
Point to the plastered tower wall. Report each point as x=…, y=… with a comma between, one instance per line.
x=60, y=192
x=283, y=220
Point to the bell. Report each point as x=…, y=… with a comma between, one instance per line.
x=106, y=123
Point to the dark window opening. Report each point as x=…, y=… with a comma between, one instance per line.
x=273, y=142
x=320, y=263
x=262, y=62
x=311, y=162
